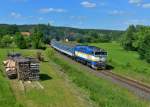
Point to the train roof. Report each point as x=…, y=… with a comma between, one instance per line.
x=90, y=48
x=93, y=48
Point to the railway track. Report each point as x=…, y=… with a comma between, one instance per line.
x=128, y=81
x=138, y=88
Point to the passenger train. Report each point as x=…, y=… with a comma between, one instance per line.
x=89, y=55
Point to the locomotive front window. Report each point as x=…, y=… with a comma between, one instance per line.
x=100, y=53
x=97, y=53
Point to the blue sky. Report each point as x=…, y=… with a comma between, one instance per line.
x=101, y=14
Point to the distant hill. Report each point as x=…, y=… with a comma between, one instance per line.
x=60, y=31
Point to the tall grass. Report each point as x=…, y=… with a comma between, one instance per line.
x=101, y=91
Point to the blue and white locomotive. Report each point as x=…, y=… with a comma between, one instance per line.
x=89, y=55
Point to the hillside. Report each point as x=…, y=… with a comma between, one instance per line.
x=58, y=31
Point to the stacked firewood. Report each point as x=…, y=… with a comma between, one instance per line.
x=26, y=69
x=10, y=66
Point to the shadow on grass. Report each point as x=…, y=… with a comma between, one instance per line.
x=44, y=77
x=45, y=61
x=109, y=67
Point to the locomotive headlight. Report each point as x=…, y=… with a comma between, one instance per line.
x=103, y=59
x=93, y=58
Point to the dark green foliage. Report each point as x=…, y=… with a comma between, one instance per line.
x=94, y=38
x=6, y=41
x=8, y=29
x=20, y=41
x=37, y=38
x=129, y=38
x=144, y=49
x=137, y=38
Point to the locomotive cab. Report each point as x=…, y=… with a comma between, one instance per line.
x=93, y=56
x=101, y=59
x=101, y=55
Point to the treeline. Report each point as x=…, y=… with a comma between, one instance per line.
x=92, y=37
x=10, y=36
x=59, y=33
x=137, y=38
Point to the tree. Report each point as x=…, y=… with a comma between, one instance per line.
x=8, y=29
x=20, y=41
x=12, y=29
x=140, y=35
x=129, y=38
x=6, y=41
x=28, y=42
x=138, y=39
x=37, y=38
x=144, y=49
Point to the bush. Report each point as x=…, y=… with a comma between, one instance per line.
x=128, y=64
x=20, y=41
x=6, y=41
x=144, y=49
x=50, y=52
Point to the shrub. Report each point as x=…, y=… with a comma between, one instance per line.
x=50, y=52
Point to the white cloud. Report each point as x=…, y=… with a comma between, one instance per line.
x=146, y=5
x=88, y=4
x=15, y=15
x=140, y=3
x=48, y=10
x=116, y=12
x=135, y=1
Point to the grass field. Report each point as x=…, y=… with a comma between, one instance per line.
x=126, y=62
x=57, y=92
x=7, y=97
x=67, y=85
x=102, y=92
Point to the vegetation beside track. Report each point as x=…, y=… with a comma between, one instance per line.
x=126, y=63
x=102, y=92
x=57, y=92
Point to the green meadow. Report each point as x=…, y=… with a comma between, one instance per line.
x=68, y=85
x=126, y=63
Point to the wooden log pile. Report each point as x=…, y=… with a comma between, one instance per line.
x=10, y=67
x=27, y=69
